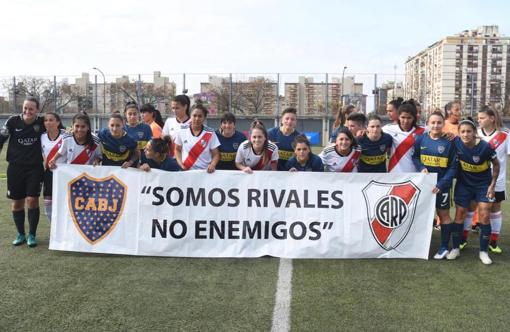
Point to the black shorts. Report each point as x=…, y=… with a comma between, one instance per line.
x=24, y=181
x=500, y=196
x=47, y=183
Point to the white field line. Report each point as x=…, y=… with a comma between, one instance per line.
x=283, y=297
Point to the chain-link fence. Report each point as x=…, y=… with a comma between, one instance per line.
x=317, y=97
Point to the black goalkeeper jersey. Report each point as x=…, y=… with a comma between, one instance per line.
x=24, y=147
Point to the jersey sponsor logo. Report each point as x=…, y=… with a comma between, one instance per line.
x=27, y=141
x=434, y=161
x=474, y=168
x=390, y=211
x=96, y=205
x=285, y=155
x=141, y=145
x=227, y=156
x=373, y=160
x=115, y=156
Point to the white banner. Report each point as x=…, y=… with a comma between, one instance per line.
x=233, y=214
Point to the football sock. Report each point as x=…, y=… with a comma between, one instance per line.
x=456, y=232
x=47, y=208
x=446, y=230
x=485, y=233
x=33, y=220
x=495, y=227
x=19, y=220
x=467, y=225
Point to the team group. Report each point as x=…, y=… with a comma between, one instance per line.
x=474, y=155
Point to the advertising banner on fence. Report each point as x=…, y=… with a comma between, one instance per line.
x=233, y=214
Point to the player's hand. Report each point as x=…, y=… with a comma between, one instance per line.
x=52, y=164
x=293, y=169
x=491, y=193
x=425, y=171
x=450, y=136
x=145, y=167
x=126, y=164
x=247, y=170
x=211, y=168
x=436, y=190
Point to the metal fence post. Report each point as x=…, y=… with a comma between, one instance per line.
x=55, y=93
x=277, y=115
x=139, y=90
x=230, y=94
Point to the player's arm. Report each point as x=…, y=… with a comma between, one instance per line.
x=215, y=159
x=451, y=172
x=417, y=155
x=52, y=164
x=495, y=173
x=4, y=134
x=178, y=156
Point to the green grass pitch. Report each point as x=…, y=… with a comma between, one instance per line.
x=42, y=290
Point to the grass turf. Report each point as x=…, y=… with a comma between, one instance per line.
x=60, y=291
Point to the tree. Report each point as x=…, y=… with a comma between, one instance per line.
x=51, y=96
x=255, y=94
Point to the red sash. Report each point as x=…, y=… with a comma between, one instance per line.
x=498, y=139
x=349, y=165
x=403, y=147
x=84, y=156
x=53, y=152
x=260, y=165
x=196, y=150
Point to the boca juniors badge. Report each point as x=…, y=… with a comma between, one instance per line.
x=96, y=205
x=390, y=211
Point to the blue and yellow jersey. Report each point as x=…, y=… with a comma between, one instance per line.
x=374, y=154
x=474, y=168
x=169, y=164
x=141, y=133
x=314, y=164
x=116, y=150
x=228, y=149
x=437, y=156
x=284, y=144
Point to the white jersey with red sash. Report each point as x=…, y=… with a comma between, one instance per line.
x=196, y=150
x=499, y=141
x=334, y=162
x=402, y=149
x=172, y=127
x=247, y=157
x=78, y=154
x=51, y=147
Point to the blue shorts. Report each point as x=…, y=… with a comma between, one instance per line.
x=443, y=199
x=464, y=195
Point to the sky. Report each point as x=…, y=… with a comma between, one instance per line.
x=66, y=38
